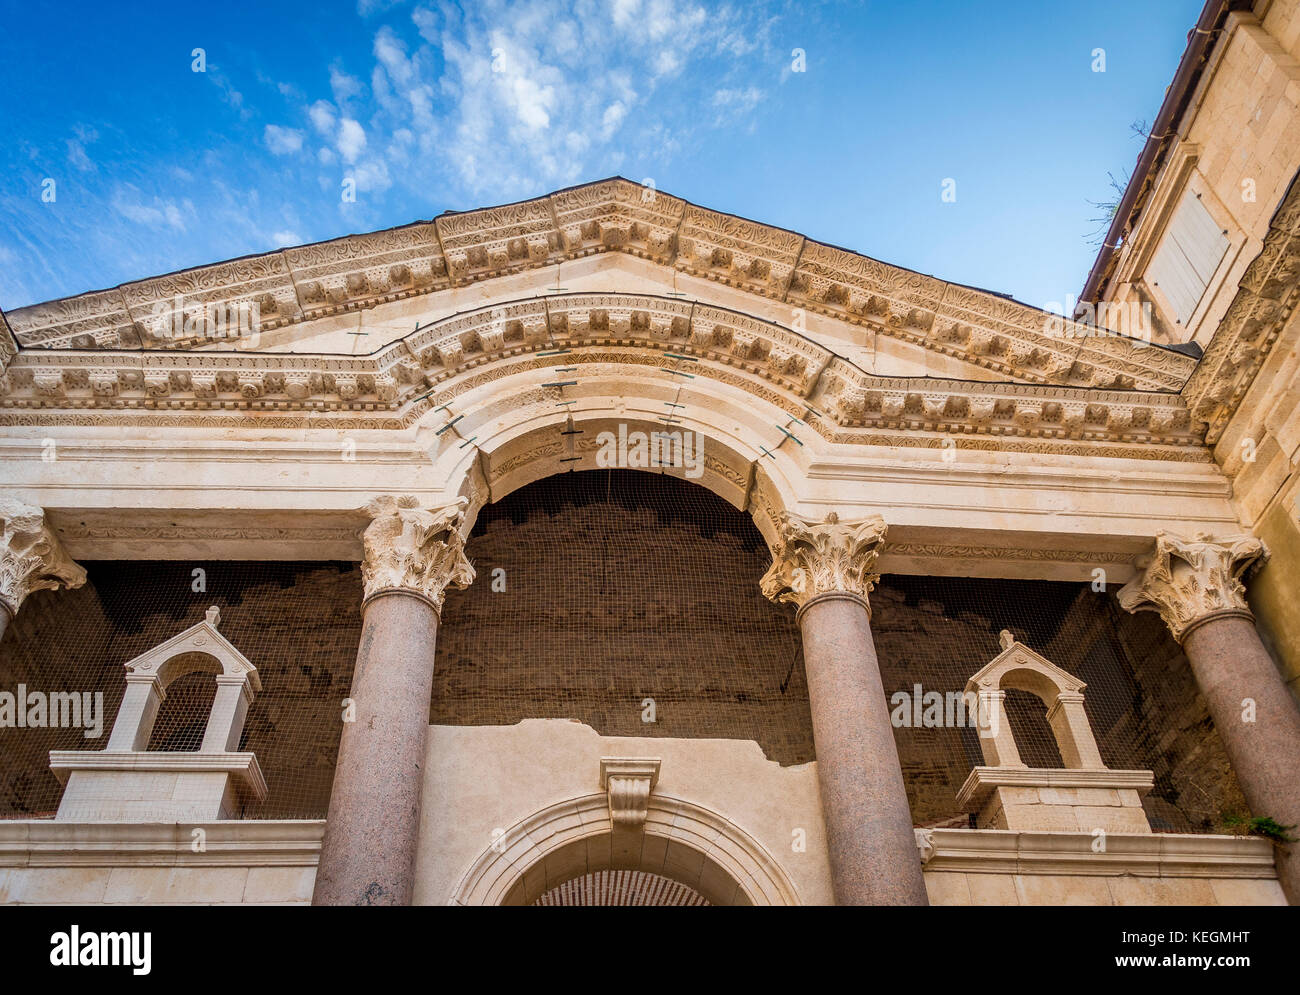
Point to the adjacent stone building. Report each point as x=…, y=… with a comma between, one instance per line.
x=604, y=548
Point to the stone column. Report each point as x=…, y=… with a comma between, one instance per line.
x=368, y=852
x=1196, y=586
x=826, y=569
x=31, y=558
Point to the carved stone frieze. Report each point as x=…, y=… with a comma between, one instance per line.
x=762, y=358
x=382, y=266
x=611, y=215
x=617, y=215
x=31, y=556
x=814, y=558
x=413, y=549
x=1186, y=580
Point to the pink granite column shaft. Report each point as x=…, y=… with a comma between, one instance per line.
x=368, y=853
x=873, y=854
x=1237, y=677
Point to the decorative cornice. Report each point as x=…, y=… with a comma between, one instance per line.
x=983, y=781
x=1266, y=299
x=414, y=550
x=395, y=386
x=242, y=766
x=31, y=556
x=1165, y=855
x=1188, y=580
x=614, y=215
x=8, y=344
x=234, y=843
x=812, y=558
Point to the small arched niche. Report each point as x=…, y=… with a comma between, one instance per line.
x=129, y=782
x=1084, y=795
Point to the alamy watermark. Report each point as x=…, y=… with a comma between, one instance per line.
x=920, y=709
x=176, y=319
x=1101, y=319
x=23, y=709
x=659, y=449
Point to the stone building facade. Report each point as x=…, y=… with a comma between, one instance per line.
x=604, y=547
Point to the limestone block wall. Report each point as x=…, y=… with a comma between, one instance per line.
x=484, y=782
x=215, y=863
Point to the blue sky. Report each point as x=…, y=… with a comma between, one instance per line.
x=430, y=106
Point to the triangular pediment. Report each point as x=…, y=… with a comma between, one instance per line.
x=307, y=299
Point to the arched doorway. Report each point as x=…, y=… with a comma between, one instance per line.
x=682, y=842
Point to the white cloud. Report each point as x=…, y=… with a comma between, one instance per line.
x=344, y=87
x=282, y=141
x=322, y=116
x=737, y=103
x=352, y=139
x=154, y=213
x=611, y=119
x=282, y=238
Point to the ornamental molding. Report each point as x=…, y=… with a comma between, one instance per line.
x=414, y=550
x=811, y=558
x=1188, y=580
x=31, y=556
x=614, y=215
x=1266, y=300
x=430, y=367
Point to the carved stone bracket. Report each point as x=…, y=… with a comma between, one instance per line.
x=31, y=556
x=1190, y=580
x=629, y=782
x=414, y=550
x=816, y=558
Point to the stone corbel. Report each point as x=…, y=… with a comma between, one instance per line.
x=31, y=556
x=628, y=782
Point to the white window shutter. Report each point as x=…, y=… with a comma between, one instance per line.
x=1189, y=254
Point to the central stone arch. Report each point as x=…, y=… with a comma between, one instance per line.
x=516, y=415
x=572, y=838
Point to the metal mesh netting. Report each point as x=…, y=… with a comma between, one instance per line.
x=627, y=596
x=611, y=597
x=298, y=623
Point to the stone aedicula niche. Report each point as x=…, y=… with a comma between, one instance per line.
x=126, y=782
x=1084, y=796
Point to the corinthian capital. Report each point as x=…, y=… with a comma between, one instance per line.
x=31, y=556
x=413, y=549
x=1187, y=580
x=815, y=558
